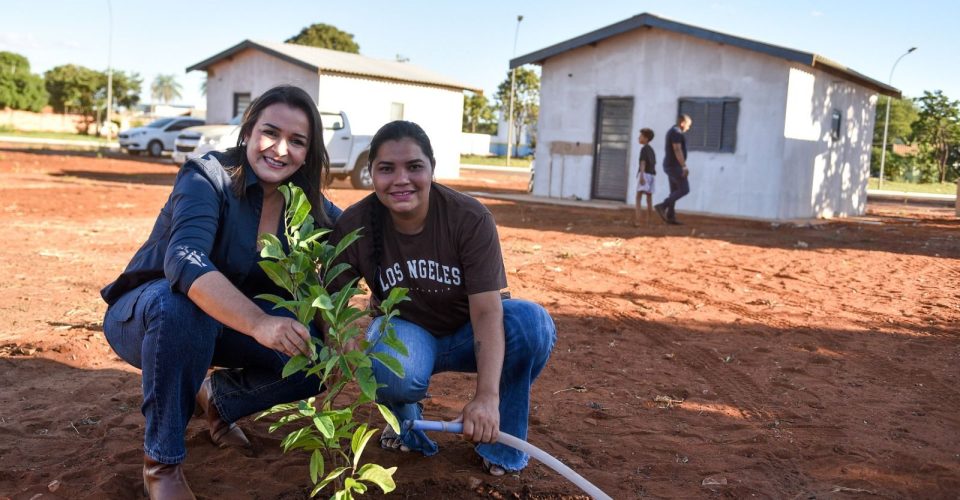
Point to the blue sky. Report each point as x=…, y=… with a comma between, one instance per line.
x=473, y=42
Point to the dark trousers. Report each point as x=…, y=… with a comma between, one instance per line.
x=679, y=187
x=173, y=342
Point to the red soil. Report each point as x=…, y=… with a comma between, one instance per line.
x=720, y=358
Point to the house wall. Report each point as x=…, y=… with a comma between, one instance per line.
x=657, y=68
x=823, y=176
x=251, y=71
x=368, y=104
x=782, y=167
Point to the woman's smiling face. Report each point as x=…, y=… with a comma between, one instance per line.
x=402, y=175
x=278, y=144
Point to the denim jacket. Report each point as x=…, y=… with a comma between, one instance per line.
x=203, y=227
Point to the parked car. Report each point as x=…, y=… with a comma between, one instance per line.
x=348, y=152
x=195, y=142
x=156, y=137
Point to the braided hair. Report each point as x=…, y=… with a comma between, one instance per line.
x=393, y=131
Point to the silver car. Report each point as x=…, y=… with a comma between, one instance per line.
x=195, y=142
x=156, y=137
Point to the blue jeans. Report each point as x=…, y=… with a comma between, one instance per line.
x=679, y=187
x=173, y=342
x=529, y=333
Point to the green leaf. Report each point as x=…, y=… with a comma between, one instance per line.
x=390, y=418
x=269, y=297
x=272, y=248
x=396, y=296
x=390, y=362
x=335, y=473
x=352, y=314
x=324, y=425
x=392, y=341
x=277, y=274
x=313, y=235
x=364, y=439
x=277, y=409
x=295, y=364
x=299, y=209
x=335, y=271
x=316, y=466
x=343, y=296
x=367, y=383
x=373, y=473
x=306, y=409
x=346, y=241
x=351, y=484
x=323, y=302
x=341, y=416
x=356, y=440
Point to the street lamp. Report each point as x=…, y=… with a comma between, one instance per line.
x=886, y=120
x=109, y=70
x=513, y=77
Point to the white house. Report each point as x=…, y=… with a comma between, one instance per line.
x=777, y=133
x=371, y=91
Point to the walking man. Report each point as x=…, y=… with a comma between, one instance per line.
x=675, y=166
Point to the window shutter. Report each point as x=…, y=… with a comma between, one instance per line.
x=731, y=115
x=714, y=123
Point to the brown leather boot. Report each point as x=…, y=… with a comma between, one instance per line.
x=164, y=481
x=223, y=434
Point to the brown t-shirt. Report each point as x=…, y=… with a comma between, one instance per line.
x=457, y=254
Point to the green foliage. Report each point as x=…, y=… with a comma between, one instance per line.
x=937, y=130
x=81, y=90
x=325, y=36
x=903, y=112
x=19, y=88
x=478, y=115
x=329, y=432
x=165, y=88
x=526, y=101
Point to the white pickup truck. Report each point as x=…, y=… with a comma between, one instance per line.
x=348, y=153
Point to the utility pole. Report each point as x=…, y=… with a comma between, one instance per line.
x=513, y=78
x=886, y=119
x=109, y=70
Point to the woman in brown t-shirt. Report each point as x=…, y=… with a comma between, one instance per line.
x=443, y=247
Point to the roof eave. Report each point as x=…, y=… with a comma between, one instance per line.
x=833, y=68
x=652, y=21
x=249, y=44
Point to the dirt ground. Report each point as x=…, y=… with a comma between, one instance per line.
x=721, y=358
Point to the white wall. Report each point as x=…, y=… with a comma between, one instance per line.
x=368, y=105
x=656, y=68
x=830, y=175
x=251, y=71
x=475, y=144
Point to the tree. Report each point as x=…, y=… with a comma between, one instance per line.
x=937, y=129
x=20, y=89
x=903, y=112
x=526, y=101
x=477, y=113
x=165, y=88
x=325, y=36
x=81, y=90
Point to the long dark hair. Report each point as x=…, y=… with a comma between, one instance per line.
x=317, y=163
x=393, y=131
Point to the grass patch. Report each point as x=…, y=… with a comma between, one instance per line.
x=495, y=161
x=50, y=135
x=907, y=187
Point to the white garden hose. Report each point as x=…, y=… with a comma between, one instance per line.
x=519, y=444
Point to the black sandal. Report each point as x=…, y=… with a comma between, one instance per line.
x=389, y=440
